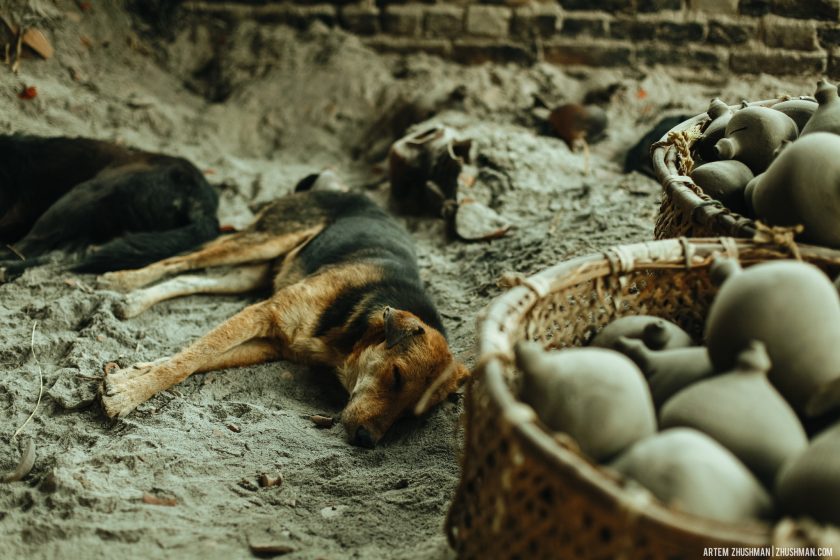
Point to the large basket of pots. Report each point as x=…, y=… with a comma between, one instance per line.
x=730, y=171
x=658, y=400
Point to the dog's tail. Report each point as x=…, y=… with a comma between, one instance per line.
x=135, y=250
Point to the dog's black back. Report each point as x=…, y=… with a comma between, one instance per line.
x=639, y=158
x=70, y=193
x=358, y=232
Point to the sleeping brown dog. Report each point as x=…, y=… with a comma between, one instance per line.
x=346, y=293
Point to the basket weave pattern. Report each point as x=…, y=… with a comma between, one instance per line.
x=685, y=210
x=526, y=494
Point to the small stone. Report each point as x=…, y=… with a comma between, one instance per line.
x=267, y=481
x=475, y=221
x=332, y=511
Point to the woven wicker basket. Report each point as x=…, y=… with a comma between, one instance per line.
x=686, y=211
x=526, y=494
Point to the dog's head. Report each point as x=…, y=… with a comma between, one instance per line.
x=406, y=368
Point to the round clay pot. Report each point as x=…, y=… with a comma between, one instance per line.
x=724, y=181
x=827, y=116
x=596, y=396
x=667, y=371
x=754, y=134
x=802, y=186
x=749, y=210
x=655, y=332
x=693, y=473
x=809, y=485
x=742, y=411
x=719, y=113
x=800, y=110
x=793, y=308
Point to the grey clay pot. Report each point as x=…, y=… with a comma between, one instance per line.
x=827, y=116
x=809, y=485
x=802, y=186
x=693, y=473
x=753, y=135
x=744, y=413
x=655, y=332
x=793, y=308
x=597, y=396
x=668, y=371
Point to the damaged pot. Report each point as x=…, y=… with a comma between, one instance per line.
x=424, y=168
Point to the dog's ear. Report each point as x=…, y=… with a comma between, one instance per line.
x=455, y=375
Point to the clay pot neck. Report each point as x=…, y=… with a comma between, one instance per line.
x=717, y=108
x=753, y=359
x=724, y=268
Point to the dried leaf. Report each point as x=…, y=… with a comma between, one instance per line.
x=38, y=42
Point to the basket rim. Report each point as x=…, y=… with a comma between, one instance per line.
x=684, y=190
x=495, y=351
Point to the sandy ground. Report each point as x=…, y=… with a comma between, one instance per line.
x=258, y=111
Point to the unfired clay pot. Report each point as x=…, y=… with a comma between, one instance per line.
x=793, y=308
x=719, y=113
x=693, y=473
x=800, y=110
x=809, y=485
x=802, y=186
x=724, y=181
x=667, y=371
x=753, y=135
x=742, y=412
x=827, y=116
x=655, y=332
x=597, y=396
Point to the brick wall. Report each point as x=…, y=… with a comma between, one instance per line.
x=785, y=37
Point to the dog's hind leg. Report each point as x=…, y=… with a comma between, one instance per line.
x=238, y=280
x=126, y=388
x=234, y=249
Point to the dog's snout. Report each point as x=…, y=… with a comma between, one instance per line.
x=362, y=438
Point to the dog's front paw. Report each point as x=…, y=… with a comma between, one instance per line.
x=124, y=389
x=132, y=305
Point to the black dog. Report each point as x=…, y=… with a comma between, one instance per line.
x=73, y=193
x=639, y=157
